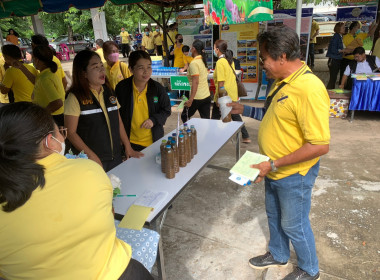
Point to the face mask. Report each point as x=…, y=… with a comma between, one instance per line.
x=215, y=54
x=180, y=40
x=157, y=30
x=63, y=146
x=147, y=33
x=113, y=57
x=357, y=32
x=190, y=54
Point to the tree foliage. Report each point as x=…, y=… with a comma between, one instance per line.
x=23, y=26
x=292, y=4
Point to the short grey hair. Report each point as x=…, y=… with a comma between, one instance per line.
x=280, y=40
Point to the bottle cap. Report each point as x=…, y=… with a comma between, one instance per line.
x=170, y=138
x=168, y=146
x=181, y=135
x=221, y=87
x=173, y=142
x=192, y=126
x=174, y=134
x=164, y=141
x=185, y=124
x=188, y=130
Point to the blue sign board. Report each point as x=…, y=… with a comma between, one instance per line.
x=306, y=12
x=358, y=13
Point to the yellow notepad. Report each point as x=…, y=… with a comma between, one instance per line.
x=135, y=217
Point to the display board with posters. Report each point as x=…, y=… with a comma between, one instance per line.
x=358, y=13
x=237, y=11
x=191, y=25
x=242, y=40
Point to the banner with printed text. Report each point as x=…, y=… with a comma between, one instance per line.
x=242, y=40
x=237, y=11
x=357, y=2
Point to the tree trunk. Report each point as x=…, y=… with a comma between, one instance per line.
x=70, y=33
x=376, y=35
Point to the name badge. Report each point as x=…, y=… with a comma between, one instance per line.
x=113, y=99
x=155, y=99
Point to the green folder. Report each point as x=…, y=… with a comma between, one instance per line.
x=242, y=167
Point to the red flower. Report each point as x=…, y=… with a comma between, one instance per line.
x=215, y=18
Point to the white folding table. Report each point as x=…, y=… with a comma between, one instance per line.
x=139, y=175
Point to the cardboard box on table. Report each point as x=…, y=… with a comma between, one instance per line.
x=339, y=103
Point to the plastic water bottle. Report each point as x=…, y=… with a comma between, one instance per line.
x=169, y=162
x=176, y=158
x=162, y=149
x=195, y=142
x=181, y=151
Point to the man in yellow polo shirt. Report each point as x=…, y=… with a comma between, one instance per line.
x=148, y=41
x=125, y=39
x=314, y=32
x=294, y=133
x=157, y=40
x=39, y=40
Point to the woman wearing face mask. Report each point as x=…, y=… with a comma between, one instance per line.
x=148, y=42
x=48, y=89
x=199, y=94
x=91, y=114
x=56, y=213
x=145, y=105
x=177, y=52
x=157, y=40
x=224, y=76
x=115, y=69
x=353, y=39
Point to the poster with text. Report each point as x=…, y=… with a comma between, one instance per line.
x=242, y=40
x=357, y=2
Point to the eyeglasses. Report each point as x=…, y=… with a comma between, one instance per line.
x=62, y=130
x=262, y=60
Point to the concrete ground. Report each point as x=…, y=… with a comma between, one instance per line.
x=216, y=226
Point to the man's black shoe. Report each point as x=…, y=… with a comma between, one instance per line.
x=299, y=274
x=265, y=261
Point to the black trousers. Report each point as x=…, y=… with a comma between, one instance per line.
x=343, y=65
x=203, y=107
x=137, y=147
x=159, y=50
x=311, y=54
x=135, y=271
x=334, y=68
x=125, y=48
x=235, y=117
x=110, y=164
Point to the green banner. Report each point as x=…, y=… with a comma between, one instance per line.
x=222, y=12
x=357, y=2
x=179, y=83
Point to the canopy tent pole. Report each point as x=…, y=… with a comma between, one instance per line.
x=299, y=18
x=164, y=32
x=1, y=38
x=99, y=24
x=38, y=27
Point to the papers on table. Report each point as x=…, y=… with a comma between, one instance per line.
x=242, y=172
x=363, y=77
x=140, y=210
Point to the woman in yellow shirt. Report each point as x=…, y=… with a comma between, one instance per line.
x=224, y=76
x=56, y=219
x=199, y=98
x=116, y=70
x=177, y=52
x=48, y=88
x=92, y=114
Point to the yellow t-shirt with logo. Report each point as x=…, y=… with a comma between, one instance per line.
x=15, y=80
x=298, y=114
x=66, y=229
x=48, y=87
x=314, y=28
x=157, y=40
x=140, y=136
x=197, y=68
x=124, y=37
x=148, y=42
x=178, y=56
x=72, y=107
x=115, y=75
x=348, y=38
x=224, y=73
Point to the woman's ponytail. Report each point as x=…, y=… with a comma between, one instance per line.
x=53, y=66
x=199, y=46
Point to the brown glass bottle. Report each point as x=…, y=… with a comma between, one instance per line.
x=176, y=159
x=191, y=142
x=221, y=93
x=195, y=142
x=162, y=150
x=181, y=151
x=169, y=162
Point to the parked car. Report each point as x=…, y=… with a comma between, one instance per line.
x=79, y=42
x=25, y=45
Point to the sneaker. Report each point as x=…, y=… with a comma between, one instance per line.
x=299, y=274
x=265, y=261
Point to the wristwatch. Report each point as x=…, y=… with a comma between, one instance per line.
x=274, y=168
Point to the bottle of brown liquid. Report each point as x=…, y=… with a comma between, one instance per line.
x=162, y=150
x=191, y=142
x=181, y=151
x=169, y=162
x=221, y=93
x=194, y=132
x=187, y=147
x=176, y=159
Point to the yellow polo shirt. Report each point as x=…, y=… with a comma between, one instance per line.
x=15, y=80
x=314, y=29
x=48, y=87
x=66, y=229
x=115, y=75
x=124, y=37
x=157, y=40
x=140, y=136
x=72, y=107
x=60, y=73
x=197, y=68
x=178, y=56
x=348, y=38
x=376, y=49
x=298, y=114
x=147, y=42
x=187, y=59
x=101, y=54
x=171, y=35
x=223, y=73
